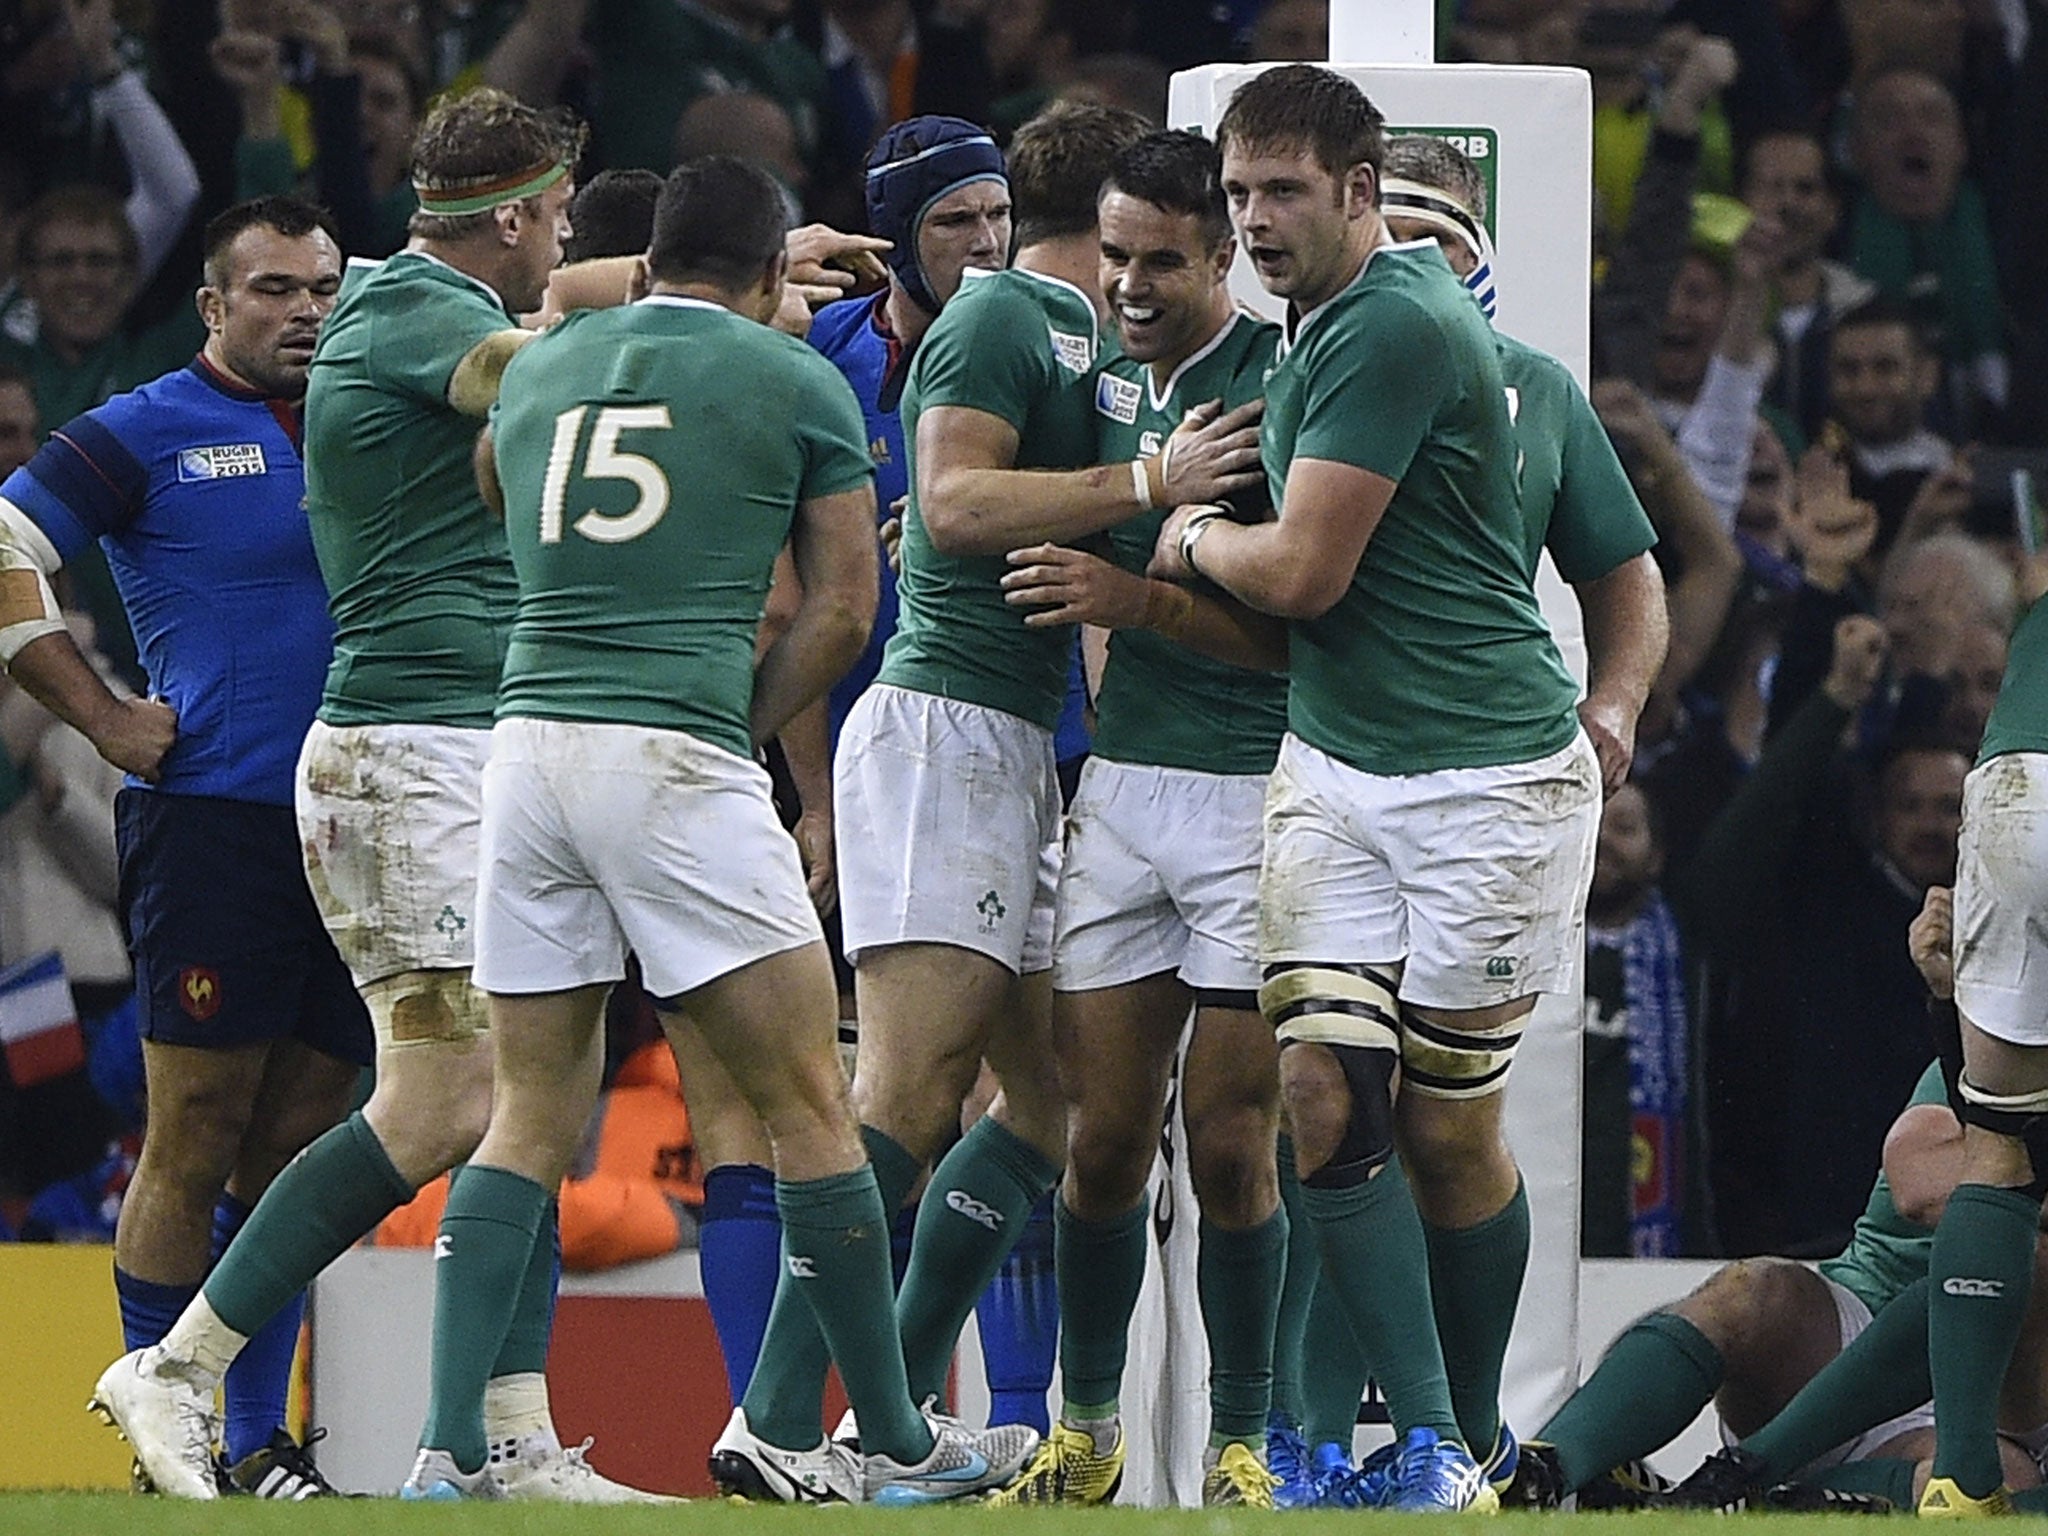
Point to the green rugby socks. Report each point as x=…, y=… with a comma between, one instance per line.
x=1099, y=1267
x=1238, y=1277
x=1475, y=1281
x=1980, y=1273
x=1651, y=1385
x=1297, y=1290
x=1882, y=1374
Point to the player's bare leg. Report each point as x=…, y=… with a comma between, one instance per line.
x=929, y=1015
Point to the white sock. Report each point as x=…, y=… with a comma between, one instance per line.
x=202, y=1342
x=516, y=1406
x=1103, y=1432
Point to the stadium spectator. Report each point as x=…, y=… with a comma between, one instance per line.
x=20, y=427
x=1288, y=31
x=1641, y=1194
x=751, y=127
x=1920, y=229
x=1797, y=899
x=78, y=110
x=1882, y=376
x=1785, y=175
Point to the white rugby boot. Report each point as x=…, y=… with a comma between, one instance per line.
x=165, y=1411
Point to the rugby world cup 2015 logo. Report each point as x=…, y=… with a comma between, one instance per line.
x=221, y=461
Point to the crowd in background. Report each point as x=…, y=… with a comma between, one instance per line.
x=1819, y=346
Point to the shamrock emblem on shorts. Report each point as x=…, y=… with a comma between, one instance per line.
x=991, y=909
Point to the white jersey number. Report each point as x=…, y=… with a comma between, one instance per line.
x=604, y=460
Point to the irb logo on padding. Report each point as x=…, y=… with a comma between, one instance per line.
x=224, y=461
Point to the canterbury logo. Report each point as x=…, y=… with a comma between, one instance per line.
x=1960, y=1285
x=803, y=1267
x=973, y=1209
x=444, y=1246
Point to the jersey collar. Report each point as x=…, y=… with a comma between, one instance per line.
x=1161, y=398
x=1294, y=325
x=287, y=412
x=678, y=301
x=478, y=283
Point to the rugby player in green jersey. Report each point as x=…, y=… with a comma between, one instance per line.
x=1577, y=503
x=390, y=779
x=947, y=806
x=1982, y=1268
x=1158, y=894
x=652, y=461
x=1431, y=817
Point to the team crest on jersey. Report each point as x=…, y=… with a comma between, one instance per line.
x=199, y=992
x=223, y=461
x=1117, y=398
x=1074, y=352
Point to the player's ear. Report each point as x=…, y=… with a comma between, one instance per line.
x=775, y=276
x=639, y=282
x=212, y=307
x=505, y=217
x=1361, y=190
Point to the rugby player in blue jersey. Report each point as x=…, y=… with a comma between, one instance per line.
x=252, y=1031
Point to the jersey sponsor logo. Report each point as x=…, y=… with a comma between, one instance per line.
x=1075, y=353
x=1964, y=1285
x=976, y=1211
x=1500, y=968
x=1149, y=443
x=223, y=461
x=1118, y=398
x=199, y=992
x=444, y=1247
x=878, y=450
x=803, y=1267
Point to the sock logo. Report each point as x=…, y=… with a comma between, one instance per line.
x=1962, y=1285
x=973, y=1209
x=444, y=1246
x=803, y=1267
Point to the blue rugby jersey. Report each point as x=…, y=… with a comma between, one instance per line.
x=851, y=336
x=195, y=488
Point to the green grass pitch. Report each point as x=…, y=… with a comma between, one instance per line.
x=119, y=1515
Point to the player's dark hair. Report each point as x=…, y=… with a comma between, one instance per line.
x=719, y=220
x=1436, y=162
x=76, y=203
x=613, y=215
x=1176, y=172
x=1887, y=309
x=1058, y=163
x=289, y=216
x=482, y=137
x=1305, y=107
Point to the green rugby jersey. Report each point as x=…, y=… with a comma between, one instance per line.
x=416, y=567
x=652, y=458
x=1576, y=497
x=1020, y=346
x=2019, y=720
x=1437, y=656
x=1162, y=704
x=1887, y=1253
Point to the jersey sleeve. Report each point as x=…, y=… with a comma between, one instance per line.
x=414, y=352
x=1371, y=401
x=834, y=434
x=1598, y=522
x=84, y=483
x=996, y=357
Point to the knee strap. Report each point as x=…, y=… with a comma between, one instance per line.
x=426, y=1008
x=1331, y=1004
x=2023, y=1117
x=1440, y=1062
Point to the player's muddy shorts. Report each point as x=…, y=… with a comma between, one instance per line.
x=1475, y=877
x=2001, y=908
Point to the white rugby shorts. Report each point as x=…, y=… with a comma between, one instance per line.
x=1474, y=877
x=601, y=838
x=946, y=819
x=1161, y=874
x=388, y=818
x=2001, y=910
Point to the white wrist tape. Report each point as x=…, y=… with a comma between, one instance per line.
x=1142, y=485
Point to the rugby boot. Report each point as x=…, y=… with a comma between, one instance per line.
x=1239, y=1480
x=162, y=1410
x=538, y=1467
x=1068, y=1469
x=1728, y=1482
x=1434, y=1475
x=744, y=1466
x=283, y=1469
x=436, y=1479
x=1941, y=1499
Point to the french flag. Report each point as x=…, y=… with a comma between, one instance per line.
x=38, y=1022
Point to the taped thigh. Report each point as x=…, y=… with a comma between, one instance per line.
x=2022, y=1116
x=1439, y=1061
x=416, y=1008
